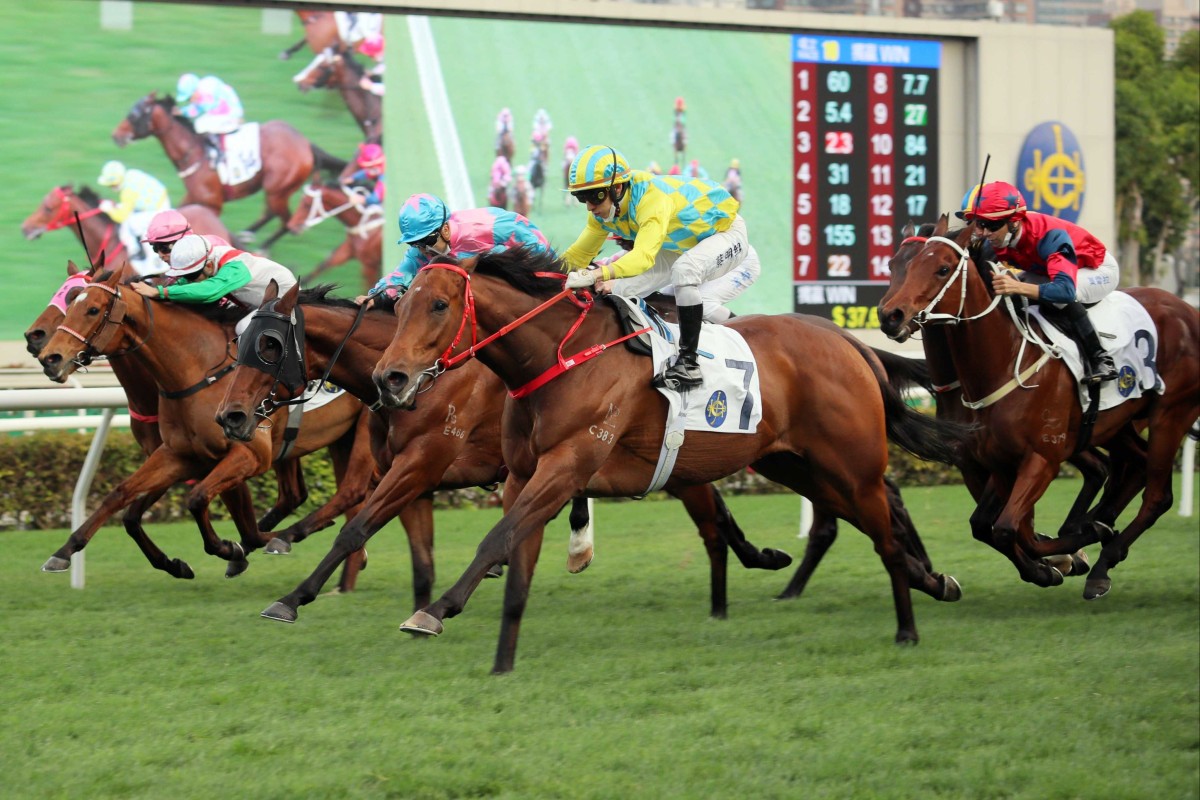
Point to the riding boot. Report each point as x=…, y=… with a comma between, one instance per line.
x=685, y=372
x=1098, y=364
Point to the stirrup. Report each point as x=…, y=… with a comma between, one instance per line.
x=679, y=376
x=1103, y=371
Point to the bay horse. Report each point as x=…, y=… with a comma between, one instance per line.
x=498, y=195
x=341, y=71
x=521, y=192
x=364, y=230
x=826, y=416
x=504, y=145
x=1029, y=433
x=60, y=205
x=288, y=160
x=187, y=353
x=679, y=140
x=452, y=441
x=537, y=170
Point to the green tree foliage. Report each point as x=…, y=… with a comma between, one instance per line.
x=1157, y=128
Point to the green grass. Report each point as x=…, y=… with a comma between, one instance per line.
x=67, y=84
x=143, y=687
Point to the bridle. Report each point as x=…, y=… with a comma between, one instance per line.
x=448, y=360
x=114, y=317
x=928, y=315
x=65, y=215
x=317, y=213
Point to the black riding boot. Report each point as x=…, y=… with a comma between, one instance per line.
x=685, y=372
x=1098, y=364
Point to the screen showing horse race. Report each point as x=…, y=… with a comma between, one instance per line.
x=865, y=162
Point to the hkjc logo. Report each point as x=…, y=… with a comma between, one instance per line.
x=1126, y=381
x=716, y=409
x=1050, y=171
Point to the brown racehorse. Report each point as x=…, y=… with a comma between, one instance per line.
x=330, y=70
x=1029, y=433
x=521, y=192
x=826, y=416
x=498, y=196
x=364, y=230
x=504, y=145
x=288, y=160
x=451, y=441
x=99, y=322
x=948, y=397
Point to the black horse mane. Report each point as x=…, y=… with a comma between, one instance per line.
x=319, y=296
x=518, y=265
x=89, y=197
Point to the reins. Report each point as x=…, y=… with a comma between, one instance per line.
x=584, y=301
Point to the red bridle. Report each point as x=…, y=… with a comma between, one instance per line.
x=66, y=216
x=584, y=301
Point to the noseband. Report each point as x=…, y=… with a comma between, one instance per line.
x=114, y=317
x=928, y=315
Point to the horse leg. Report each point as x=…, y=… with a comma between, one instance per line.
x=581, y=545
x=240, y=506
x=284, y=55
x=521, y=563
x=417, y=519
x=132, y=520
x=291, y=492
x=921, y=574
x=161, y=470
x=1167, y=429
x=239, y=464
x=750, y=556
x=701, y=506
x=401, y=485
x=1094, y=467
x=821, y=537
x=1014, y=529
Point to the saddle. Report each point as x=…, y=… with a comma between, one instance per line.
x=630, y=322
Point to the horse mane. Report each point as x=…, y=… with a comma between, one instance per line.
x=85, y=193
x=319, y=296
x=356, y=69
x=519, y=266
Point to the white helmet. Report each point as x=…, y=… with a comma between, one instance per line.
x=189, y=255
x=111, y=174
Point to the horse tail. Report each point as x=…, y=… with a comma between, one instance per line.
x=924, y=436
x=327, y=162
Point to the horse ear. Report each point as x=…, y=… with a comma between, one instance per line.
x=908, y=230
x=468, y=264
x=110, y=278
x=943, y=224
x=288, y=302
x=71, y=268
x=271, y=292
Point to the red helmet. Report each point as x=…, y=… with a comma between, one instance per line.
x=370, y=155
x=998, y=200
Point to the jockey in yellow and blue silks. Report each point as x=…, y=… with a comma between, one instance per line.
x=140, y=197
x=685, y=233
x=430, y=230
x=1074, y=266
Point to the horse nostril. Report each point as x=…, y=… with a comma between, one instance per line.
x=52, y=360
x=396, y=380
x=35, y=341
x=232, y=419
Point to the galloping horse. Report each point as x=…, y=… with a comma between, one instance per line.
x=1029, y=433
x=537, y=170
x=451, y=441
x=521, y=192
x=330, y=70
x=679, y=140
x=504, y=145
x=60, y=205
x=288, y=160
x=364, y=229
x=99, y=322
x=826, y=416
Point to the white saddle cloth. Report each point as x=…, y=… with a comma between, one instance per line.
x=243, y=156
x=1128, y=335
x=325, y=395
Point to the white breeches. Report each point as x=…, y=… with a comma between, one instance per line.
x=142, y=257
x=216, y=123
x=1093, y=285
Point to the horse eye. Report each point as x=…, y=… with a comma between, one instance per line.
x=943, y=271
x=93, y=311
x=440, y=305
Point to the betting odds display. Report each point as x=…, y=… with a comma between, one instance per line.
x=865, y=127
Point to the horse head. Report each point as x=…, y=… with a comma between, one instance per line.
x=52, y=316
x=319, y=73
x=270, y=368
x=93, y=326
x=148, y=115
x=932, y=284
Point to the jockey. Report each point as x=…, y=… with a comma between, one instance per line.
x=504, y=122
x=141, y=196
x=167, y=228
x=733, y=179
x=372, y=79
x=369, y=175
x=430, y=230
x=570, y=150
x=209, y=273
x=694, y=170
x=684, y=232
x=501, y=172
x=1065, y=266
x=211, y=104
x=541, y=126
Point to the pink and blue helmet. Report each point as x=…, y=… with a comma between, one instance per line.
x=421, y=215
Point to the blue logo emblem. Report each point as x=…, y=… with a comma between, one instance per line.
x=1050, y=171
x=1126, y=381
x=716, y=409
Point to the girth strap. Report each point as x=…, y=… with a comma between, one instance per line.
x=291, y=432
x=207, y=381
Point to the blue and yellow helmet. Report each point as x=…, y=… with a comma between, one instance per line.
x=596, y=166
x=421, y=215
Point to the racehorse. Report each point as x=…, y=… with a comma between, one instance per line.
x=60, y=205
x=521, y=192
x=288, y=160
x=341, y=71
x=540, y=156
x=498, y=195
x=504, y=145
x=1031, y=432
x=679, y=140
x=452, y=441
x=826, y=416
x=99, y=322
x=948, y=398
x=364, y=229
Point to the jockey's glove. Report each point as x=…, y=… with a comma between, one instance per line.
x=582, y=278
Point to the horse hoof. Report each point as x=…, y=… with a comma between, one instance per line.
x=278, y=547
x=495, y=571
x=1079, y=563
x=422, y=624
x=1062, y=563
x=773, y=559
x=1055, y=578
x=280, y=612
x=906, y=639
x=578, y=562
x=56, y=564
x=235, y=568
x=181, y=569
x=1096, y=588
x=951, y=589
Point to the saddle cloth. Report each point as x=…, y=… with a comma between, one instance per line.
x=1128, y=335
x=323, y=396
x=728, y=400
x=243, y=156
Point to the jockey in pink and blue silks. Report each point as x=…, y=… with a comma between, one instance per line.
x=430, y=230
x=211, y=104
